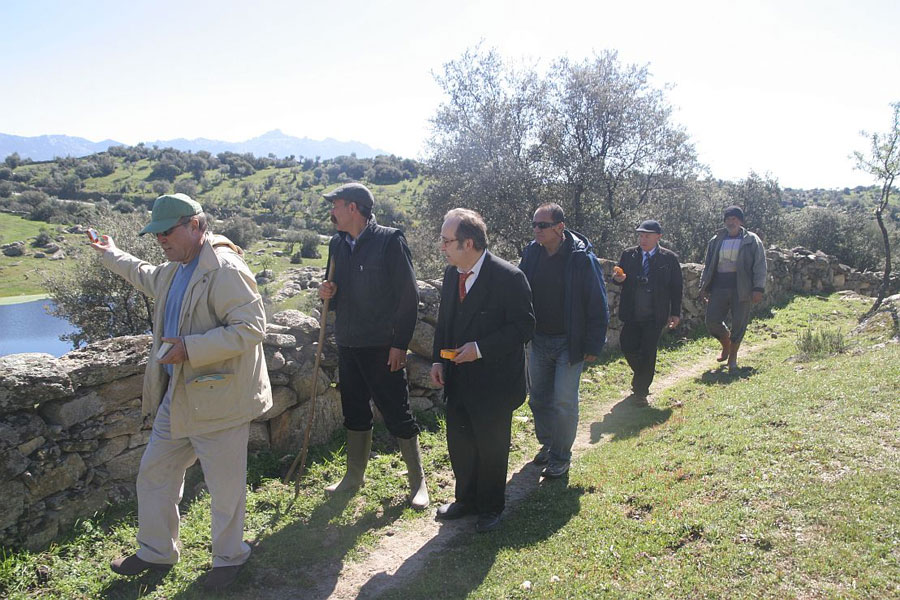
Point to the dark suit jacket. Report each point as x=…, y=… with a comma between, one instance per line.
x=497, y=314
x=665, y=280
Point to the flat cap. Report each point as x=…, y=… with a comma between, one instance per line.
x=352, y=192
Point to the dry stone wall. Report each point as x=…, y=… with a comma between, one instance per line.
x=72, y=436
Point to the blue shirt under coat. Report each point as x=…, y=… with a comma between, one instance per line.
x=174, y=300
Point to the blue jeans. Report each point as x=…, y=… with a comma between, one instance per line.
x=553, y=397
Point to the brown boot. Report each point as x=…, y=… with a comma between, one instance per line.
x=726, y=348
x=220, y=578
x=732, y=358
x=134, y=565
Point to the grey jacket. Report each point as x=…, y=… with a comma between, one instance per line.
x=751, y=264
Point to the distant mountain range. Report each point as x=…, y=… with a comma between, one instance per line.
x=48, y=147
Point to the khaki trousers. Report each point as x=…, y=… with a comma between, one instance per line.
x=160, y=486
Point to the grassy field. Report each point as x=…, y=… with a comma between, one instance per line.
x=780, y=483
x=22, y=275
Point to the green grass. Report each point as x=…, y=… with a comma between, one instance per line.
x=22, y=275
x=780, y=483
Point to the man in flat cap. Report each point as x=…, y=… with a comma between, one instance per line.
x=206, y=379
x=373, y=292
x=734, y=277
x=651, y=281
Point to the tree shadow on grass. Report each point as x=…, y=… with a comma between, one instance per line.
x=626, y=420
x=460, y=559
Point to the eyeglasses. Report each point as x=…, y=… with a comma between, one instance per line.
x=445, y=241
x=544, y=224
x=169, y=231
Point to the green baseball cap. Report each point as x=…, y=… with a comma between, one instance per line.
x=168, y=209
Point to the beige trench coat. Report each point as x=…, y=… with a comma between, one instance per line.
x=224, y=382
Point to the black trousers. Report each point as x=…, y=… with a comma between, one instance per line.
x=364, y=374
x=478, y=443
x=638, y=342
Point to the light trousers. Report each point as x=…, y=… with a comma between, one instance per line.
x=160, y=486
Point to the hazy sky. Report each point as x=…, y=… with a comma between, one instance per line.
x=776, y=86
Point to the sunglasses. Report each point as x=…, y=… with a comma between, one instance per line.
x=168, y=232
x=544, y=224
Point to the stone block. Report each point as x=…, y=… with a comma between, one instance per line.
x=422, y=341
x=418, y=371
x=281, y=340
x=123, y=422
x=141, y=438
x=286, y=431
x=259, y=437
x=31, y=379
x=40, y=535
x=125, y=466
x=12, y=499
x=66, y=413
x=12, y=462
x=107, y=360
x=60, y=477
x=302, y=381
x=282, y=399
x=420, y=403
x=108, y=450
x=82, y=504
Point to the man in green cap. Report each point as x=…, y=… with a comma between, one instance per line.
x=206, y=379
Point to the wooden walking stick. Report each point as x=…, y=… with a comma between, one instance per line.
x=301, y=458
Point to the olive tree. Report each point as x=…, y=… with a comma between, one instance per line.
x=97, y=302
x=483, y=145
x=883, y=163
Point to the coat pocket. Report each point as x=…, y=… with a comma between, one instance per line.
x=212, y=396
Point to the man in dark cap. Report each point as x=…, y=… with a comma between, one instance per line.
x=651, y=281
x=206, y=380
x=373, y=292
x=734, y=277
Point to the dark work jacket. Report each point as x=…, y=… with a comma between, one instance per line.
x=497, y=314
x=584, y=296
x=377, y=298
x=665, y=281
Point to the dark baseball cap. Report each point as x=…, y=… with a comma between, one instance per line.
x=168, y=210
x=650, y=226
x=352, y=192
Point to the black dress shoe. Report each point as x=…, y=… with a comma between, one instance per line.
x=542, y=457
x=487, y=522
x=454, y=510
x=133, y=565
x=555, y=470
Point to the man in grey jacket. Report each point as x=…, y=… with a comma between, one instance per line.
x=734, y=277
x=206, y=379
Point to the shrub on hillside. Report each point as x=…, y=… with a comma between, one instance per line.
x=241, y=230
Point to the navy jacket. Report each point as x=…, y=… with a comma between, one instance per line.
x=587, y=311
x=377, y=298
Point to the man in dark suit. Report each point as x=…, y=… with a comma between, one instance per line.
x=651, y=281
x=485, y=320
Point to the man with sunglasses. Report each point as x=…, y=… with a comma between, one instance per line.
x=571, y=316
x=651, y=281
x=206, y=379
